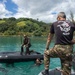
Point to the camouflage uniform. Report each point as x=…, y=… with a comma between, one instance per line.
x=63, y=31
x=64, y=52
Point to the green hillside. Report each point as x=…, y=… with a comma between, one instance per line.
x=20, y=26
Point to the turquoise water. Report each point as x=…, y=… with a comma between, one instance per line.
x=24, y=68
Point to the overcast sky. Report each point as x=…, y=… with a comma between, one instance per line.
x=44, y=10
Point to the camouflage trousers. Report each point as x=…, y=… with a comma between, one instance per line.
x=64, y=52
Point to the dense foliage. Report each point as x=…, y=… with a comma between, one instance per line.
x=13, y=26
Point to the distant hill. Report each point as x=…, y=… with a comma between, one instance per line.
x=20, y=26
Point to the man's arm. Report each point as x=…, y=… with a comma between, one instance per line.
x=73, y=41
x=50, y=36
x=28, y=40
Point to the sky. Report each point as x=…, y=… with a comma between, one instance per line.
x=43, y=10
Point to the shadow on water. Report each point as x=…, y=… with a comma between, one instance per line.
x=3, y=70
x=22, y=68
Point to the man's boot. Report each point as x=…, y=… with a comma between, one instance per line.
x=46, y=72
x=21, y=51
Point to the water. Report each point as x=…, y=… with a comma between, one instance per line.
x=24, y=68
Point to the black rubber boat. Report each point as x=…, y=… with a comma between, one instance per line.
x=12, y=57
x=56, y=72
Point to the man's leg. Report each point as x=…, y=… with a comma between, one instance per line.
x=22, y=50
x=66, y=67
x=47, y=54
x=27, y=50
x=46, y=62
x=66, y=60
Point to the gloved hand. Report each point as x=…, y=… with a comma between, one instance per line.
x=47, y=49
x=73, y=41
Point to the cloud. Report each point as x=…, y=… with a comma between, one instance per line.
x=44, y=10
x=35, y=9
x=3, y=12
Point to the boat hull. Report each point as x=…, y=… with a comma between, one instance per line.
x=56, y=72
x=11, y=57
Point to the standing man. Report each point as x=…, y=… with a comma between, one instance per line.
x=27, y=44
x=63, y=47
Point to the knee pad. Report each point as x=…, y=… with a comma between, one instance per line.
x=46, y=52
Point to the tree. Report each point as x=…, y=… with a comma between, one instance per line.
x=72, y=16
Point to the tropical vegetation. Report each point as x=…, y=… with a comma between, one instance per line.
x=20, y=26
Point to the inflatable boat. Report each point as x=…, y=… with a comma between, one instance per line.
x=56, y=72
x=11, y=57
